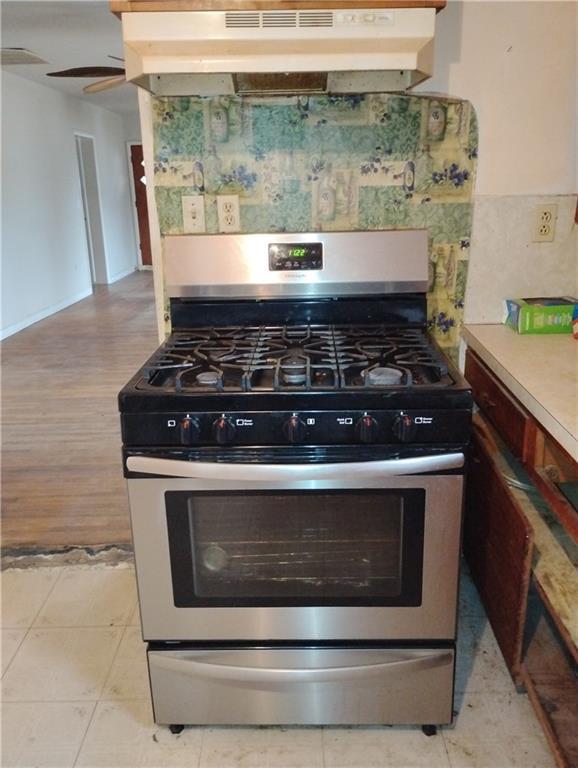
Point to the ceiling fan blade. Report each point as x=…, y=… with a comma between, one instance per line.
x=104, y=85
x=88, y=72
x=116, y=58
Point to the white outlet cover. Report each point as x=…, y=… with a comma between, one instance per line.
x=228, y=213
x=544, y=225
x=193, y=214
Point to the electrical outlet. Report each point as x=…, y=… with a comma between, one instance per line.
x=228, y=213
x=544, y=228
x=193, y=214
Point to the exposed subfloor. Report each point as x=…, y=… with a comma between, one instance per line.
x=62, y=481
x=75, y=693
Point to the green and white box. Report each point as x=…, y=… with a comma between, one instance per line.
x=540, y=314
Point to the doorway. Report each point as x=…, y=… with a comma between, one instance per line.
x=91, y=208
x=140, y=202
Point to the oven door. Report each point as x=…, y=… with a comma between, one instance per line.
x=282, y=552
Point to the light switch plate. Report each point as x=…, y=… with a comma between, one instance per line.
x=228, y=212
x=193, y=214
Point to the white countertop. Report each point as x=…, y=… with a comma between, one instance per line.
x=540, y=370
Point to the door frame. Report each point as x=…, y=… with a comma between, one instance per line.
x=130, y=144
x=86, y=212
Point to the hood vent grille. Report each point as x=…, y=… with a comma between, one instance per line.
x=316, y=19
x=280, y=83
x=277, y=19
x=242, y=19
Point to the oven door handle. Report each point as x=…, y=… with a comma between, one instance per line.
x=187, y=664
x=205, y=470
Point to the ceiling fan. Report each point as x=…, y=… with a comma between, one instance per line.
x=113, y=76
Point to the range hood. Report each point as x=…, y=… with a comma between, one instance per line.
x=205, y=53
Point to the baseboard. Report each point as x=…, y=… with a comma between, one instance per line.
x=36, y=318
x=125, y=273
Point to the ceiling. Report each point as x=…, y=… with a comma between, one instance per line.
x=69, y=33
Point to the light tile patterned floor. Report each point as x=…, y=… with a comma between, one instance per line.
x=75, y=693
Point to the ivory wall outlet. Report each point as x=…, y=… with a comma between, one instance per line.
x=193, y=214
x=544, y=227
x=228, y=213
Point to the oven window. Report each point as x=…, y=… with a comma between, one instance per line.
x=293, y=548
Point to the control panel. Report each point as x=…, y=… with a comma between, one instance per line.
x=296, y=428
x=367, y=17
x=284, y=257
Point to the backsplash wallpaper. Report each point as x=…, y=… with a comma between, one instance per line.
x=318, y=163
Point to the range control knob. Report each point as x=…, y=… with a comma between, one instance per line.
x=404, y=427
x=189, y=430
x=294, y=429
x=223, y=430
x=366, y=429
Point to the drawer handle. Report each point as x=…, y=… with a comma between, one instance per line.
x=184, y=664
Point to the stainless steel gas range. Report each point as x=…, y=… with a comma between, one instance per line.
x=295, y=459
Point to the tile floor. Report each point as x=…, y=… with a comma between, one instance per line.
x=75, y=693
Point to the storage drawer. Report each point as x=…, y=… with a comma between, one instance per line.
x=501, y=409
x=555, y=473
x=302, y=686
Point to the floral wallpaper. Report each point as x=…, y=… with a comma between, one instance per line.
x=313, y=163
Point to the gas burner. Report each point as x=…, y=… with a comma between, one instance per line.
x=209, y=379
x=425, y=358
x=382, y=377
x=293, y=369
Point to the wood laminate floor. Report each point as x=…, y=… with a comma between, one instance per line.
x=62, y=480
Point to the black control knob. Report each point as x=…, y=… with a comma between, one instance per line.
x=189, y=431
x=366, y=429
x=294, y=429
x=404, y=427
x=223, y=430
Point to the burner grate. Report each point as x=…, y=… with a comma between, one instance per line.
x=294, y=358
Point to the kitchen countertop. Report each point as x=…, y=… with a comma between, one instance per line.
x=540, y=370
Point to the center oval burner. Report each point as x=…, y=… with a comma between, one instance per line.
x=382, y=377
x=294, y=369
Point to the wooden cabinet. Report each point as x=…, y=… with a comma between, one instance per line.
x=499, y=407
x=125, y=6
x=520, y=543
x=500, y=564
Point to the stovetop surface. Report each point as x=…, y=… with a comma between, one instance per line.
x=295, y=358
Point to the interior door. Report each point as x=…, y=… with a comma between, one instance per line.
x=140, y=193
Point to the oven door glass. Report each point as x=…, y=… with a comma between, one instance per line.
x=286, y=548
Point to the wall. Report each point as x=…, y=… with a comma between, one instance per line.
x=301, y=164
x=132, y=128
x=45, y=264
x=516, y=62
x=145, y=102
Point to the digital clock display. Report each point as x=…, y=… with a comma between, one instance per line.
x=287, y=257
